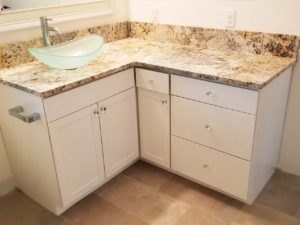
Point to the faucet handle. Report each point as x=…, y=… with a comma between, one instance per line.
x=44, y=19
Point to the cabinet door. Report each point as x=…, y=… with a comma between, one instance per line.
x=76, y=142
x=119, y=131
x=154, y=118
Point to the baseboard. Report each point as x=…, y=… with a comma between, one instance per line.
x=6, y=186
x=289, y=169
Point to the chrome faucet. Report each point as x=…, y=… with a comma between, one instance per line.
x=46, y=30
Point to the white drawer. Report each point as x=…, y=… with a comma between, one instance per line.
x=219, y=128
x=216, y=169
x=81, y=97
x=216, y=94
x=153, y=81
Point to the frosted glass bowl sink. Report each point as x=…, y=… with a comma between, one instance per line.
x=70, y=54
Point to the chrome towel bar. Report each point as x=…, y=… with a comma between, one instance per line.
x=16, y=112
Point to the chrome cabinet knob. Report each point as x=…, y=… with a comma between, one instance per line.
x=96, y=112
x=205, y=166
x=103, y=109
x=164, y=101
x=210, y=94
x=207, y=127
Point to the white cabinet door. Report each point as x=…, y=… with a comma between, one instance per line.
x=76, y=142
x=154, y=117
x=119, y=131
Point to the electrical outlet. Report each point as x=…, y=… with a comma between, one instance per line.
x=155, y=15
x=230, y=18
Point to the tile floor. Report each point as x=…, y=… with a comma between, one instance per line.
x=144, y=195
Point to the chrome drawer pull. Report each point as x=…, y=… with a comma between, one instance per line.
x=207, y=127
x=205, y=166
x=16, y=112
x=210, y=94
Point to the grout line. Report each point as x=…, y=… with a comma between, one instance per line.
x=66, y=220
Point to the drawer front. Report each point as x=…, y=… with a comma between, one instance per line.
x=153, y=81
x=81, y=97
x=216, y=169
x=219, y=128
x=216, y=94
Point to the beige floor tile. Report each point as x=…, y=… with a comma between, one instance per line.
x=148, y=174
x=126, y=193
x=159, y=209
x=109, y=184
x=93, y=210
x=195, y=217
x=255, y=215
x=16, y=208
x=258, y=214
x=202, y=198
x=298, y=214
x=281, y=198
x=45, y=218
x=144, y=202
x=284, y=219
x=132, y=220
x=287, y=180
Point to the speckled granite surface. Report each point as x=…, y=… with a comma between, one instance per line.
x=227, y=67
x=217, y=39
x=16, y=53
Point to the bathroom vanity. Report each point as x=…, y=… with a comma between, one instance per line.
x=80, y=128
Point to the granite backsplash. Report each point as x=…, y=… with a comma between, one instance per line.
x=217, y=39
x=282, y=45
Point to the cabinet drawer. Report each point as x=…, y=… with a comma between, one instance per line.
x=216, y=169
x=216, y=94
x=81, y=97
x=219, y=128
x=153, y=81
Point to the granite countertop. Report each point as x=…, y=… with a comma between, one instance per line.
x=232, y=68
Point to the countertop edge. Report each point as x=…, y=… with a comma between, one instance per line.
x=189, y=74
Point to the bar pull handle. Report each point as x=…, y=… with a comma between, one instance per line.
x=16, y=112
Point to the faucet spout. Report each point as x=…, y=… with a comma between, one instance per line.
x=46, y=31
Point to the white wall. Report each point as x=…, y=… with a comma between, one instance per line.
x=29, y=4
x=120, y=14
x=253, y=15
x=274, y=16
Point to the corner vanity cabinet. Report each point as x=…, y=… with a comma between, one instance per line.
x=154, y=116
x=227, y=138
x=85, y=136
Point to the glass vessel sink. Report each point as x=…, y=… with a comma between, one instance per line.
x=70, y=54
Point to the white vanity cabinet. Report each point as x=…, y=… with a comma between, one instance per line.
x=77, y=151
x=154, y=116
x=81, y=139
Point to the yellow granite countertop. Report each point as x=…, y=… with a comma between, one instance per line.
x=231, y=68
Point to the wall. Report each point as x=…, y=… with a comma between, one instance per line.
x=29, y=4
x=120, y=8
x=274, y=16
